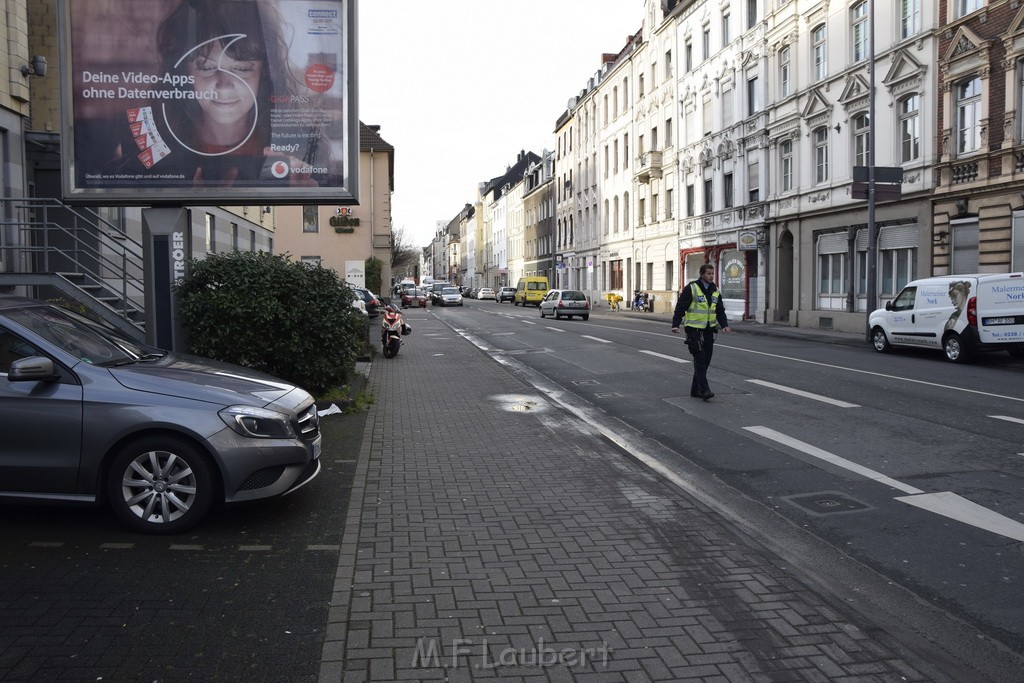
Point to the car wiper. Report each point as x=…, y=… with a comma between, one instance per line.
x=131, y=361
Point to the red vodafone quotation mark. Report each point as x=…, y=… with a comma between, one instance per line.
x=279, y=169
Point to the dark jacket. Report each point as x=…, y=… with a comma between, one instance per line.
x=686, y=298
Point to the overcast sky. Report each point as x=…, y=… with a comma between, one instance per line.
x=459, y=87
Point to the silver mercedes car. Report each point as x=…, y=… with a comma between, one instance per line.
x=89, y=416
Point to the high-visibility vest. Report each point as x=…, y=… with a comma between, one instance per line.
x=701, y=312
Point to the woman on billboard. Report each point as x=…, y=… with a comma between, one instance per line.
x=224, y=70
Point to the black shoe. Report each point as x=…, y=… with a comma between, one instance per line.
x=695, y=394
x=707, y=395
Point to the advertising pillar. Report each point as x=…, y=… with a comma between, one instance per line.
x=165, y=234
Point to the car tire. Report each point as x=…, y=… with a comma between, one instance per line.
x=585, y=316
x=558, y=316
x=954, y=348
x=161, y=485
x=542, y=313
x=879, y=341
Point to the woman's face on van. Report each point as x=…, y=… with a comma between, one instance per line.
x=233, y=85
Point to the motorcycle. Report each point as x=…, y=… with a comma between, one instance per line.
x=392, y=328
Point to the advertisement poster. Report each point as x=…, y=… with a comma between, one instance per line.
x=232, y=100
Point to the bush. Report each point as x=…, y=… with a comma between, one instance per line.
x=266, y=312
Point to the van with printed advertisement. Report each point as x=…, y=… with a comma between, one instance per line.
x=958, y=314
x=530, y=290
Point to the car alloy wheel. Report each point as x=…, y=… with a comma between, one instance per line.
x=160, y=485
x=954, y=348
x=879, y=340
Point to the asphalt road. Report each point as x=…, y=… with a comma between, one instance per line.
x=911, y=465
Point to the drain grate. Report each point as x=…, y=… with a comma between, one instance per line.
x=827, y=503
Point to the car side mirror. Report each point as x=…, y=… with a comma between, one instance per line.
x=32, y=369
x=888, y=305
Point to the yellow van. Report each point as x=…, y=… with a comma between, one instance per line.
x=530, y=290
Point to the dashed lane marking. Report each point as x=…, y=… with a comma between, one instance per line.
x=805, y=394
x=597, y=339
x=674, y=359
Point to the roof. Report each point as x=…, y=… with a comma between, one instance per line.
x=371, y=141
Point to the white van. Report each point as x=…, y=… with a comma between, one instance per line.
x=959, y=314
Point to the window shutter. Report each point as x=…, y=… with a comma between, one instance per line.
x=832, y=244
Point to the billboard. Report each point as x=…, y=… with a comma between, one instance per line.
x=222, y=101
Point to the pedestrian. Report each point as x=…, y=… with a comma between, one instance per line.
x=702, y=313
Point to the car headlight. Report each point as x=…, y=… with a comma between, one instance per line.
x=258, y=423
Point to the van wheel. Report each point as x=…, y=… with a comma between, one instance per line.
x=880, y=341
x=954, y=347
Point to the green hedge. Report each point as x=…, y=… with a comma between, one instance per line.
x=269, y=313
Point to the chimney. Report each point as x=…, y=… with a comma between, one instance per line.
x=608, y=57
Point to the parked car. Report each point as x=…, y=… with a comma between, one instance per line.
x=414, y=296
x=435, y=291
x=450, y=296
x=565, y=303
x=359, y=305
x=485, y=293
x=89, y=416
x=505, y=294
x=370, y=299
x=959, y=314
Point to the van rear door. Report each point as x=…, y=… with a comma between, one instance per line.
x=1001, y=308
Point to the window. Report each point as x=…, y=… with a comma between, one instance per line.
x=668, y=65
x=753, y=104
x=690, y=201
x=626, y=218
x=751, y=13
x=859, y=31
x=640, y=85
x=968, y=115
x=709, y=195
x=861, y=139
x=654, y=74
x=910, y=128
x=725, y=29
x=785, y=71
x=786, y=165
x=625, y=151
x=606, y=164
x=604, y=106
x=705, y=42
x=615, y=156
x=252, y=240
x=668, y=133
x=821, y=155
x=615, y=102
x=727, y=106
x=669, y=211
x=211, y=234
x=607, y=216
x=669, y=275
x=819, y=53
x=641, y=212
x=965, y=7
x=897, y=268
x=640, y=149
x=753, y=181
x=727, y=190
x=311, y=260
x=910, y=18
x=707, y=113
x=615, y=222
x=688, y=56
x=625, y=94
x=832, y=274
x=654, y=208
x=965, y=245
x=310, y=219
x=654, y=139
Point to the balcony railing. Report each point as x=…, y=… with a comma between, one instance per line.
x=648, y=165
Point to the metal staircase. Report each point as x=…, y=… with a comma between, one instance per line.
x=57, y=251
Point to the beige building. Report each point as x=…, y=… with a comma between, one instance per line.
x=344, y=237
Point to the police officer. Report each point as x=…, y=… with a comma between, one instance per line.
x=701, y=304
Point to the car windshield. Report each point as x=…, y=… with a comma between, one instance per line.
x=449, y=290
x=90, y=341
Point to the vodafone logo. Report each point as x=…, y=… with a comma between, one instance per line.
x=279, y=169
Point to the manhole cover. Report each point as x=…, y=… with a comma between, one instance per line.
x=827, y=503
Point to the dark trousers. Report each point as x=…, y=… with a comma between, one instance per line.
x=701, y=343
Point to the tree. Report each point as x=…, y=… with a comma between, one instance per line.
x=405, y=258
x=289, y=319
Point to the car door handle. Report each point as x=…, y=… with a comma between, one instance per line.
x=913, y=318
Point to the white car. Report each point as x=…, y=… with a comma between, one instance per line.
x=485, y=293
x=565, y=303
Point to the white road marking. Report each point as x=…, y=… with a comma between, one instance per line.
x=831, y=458
x=666, y=357
x=805, y=394
x=597, y=339
x=950, y=505
x=946, y=503
x=1008, y=419
x=529, y=322
x=556, y=329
